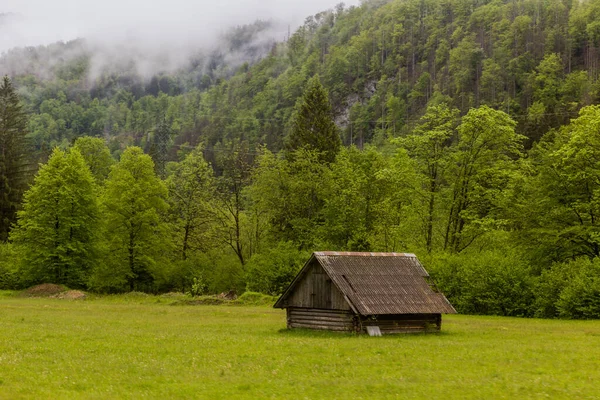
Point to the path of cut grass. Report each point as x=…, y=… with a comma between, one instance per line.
x=104, y=348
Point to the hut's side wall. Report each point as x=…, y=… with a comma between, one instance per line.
x=316, y=290
x=404, y=323
x=312, y=318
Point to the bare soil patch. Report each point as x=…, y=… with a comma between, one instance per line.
x=44, y=290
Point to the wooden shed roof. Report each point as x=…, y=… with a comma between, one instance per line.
x=379, y=283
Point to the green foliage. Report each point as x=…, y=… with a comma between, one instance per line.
x=57, y=231
x=273, y=270
x=199, y=287
x=224, y=272
x=483, y=167
x=96, y=155
x=559, y=208
x=133, y=199
x=312, y=125
x=14, y=156
x=9, y=267
x=363, y=201
x=191, y=187
x=531, y=60
x=441, y=99
x=570, y=290
x=430, y=145
x=232, y=229
x=490, y=282
x=290, y=194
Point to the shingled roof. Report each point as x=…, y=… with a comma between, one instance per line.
x=379, y=283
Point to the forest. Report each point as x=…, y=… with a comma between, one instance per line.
x=464, y=131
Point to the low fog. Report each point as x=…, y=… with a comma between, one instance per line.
x=155, y=33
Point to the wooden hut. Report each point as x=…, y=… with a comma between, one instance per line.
x=364, y=292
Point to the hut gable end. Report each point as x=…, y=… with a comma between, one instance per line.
x=315, y=289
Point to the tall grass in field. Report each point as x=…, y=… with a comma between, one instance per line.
x=141, y=346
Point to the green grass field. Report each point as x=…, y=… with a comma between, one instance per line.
x=143, y=347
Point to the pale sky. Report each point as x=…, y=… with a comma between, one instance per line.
x=150, y=22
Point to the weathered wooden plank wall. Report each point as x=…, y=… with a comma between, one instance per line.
x=316, y=290
x=333, y=320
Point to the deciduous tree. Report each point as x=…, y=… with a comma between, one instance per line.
x=483, y=161
x=97, y=156
x=191, y=188
x=133, y=199
x=57, y=231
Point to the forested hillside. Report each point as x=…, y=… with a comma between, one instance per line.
x=464, y=131
x=382, y=63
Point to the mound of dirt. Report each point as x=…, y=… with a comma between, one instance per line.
x=44, y=290
x=70, y=295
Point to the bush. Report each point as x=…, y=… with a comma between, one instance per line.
x=271, y=272
x=489, y=283
x=182, y=275
x=577, y=284
x=9, y=276
x=225, y=274
x=549, y=286
x=199, y=287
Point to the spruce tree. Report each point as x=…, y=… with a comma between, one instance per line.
x=313, y=127
x=13, y=156
x=57, y=229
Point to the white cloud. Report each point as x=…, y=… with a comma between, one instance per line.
x=149, y=22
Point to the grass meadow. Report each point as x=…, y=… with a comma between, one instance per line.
x=135, y=347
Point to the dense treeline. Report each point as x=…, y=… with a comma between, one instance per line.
x=465, y=131
x=501, y=232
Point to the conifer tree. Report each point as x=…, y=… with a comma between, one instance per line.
x=162, y=137
x=312, y=123
x=57, y=228
x=13, y=156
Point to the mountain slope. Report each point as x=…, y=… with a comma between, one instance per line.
x=382, y=63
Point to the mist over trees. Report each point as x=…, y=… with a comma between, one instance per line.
x=463, y=132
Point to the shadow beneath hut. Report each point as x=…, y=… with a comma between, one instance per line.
x=304, y=333
x=313, y=333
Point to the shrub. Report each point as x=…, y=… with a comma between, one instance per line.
x=181, y=275
x=9, y=276
x=490, y=282
x=272, y=271
x=580, y=296
x=199, y=287
x=549, y=286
